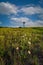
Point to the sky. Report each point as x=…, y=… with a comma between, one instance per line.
x=14, y=12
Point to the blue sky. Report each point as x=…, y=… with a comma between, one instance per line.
x=14, y=12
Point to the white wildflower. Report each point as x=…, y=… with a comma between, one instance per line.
x=17, y=48
x=29, y=42
x=29, y=52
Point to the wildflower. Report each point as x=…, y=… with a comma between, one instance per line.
x=29, y=42
x=17, y=48
x=24, y=35
x=29, y=52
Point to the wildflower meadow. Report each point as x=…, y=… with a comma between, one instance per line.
x=21, y=46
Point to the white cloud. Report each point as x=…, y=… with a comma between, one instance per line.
x=37, y=23
x=8, y=8
x=21, y=19
x=32, y=10
x=28, y=22
x=13, y=26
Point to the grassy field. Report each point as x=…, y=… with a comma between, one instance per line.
x=21, y=46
